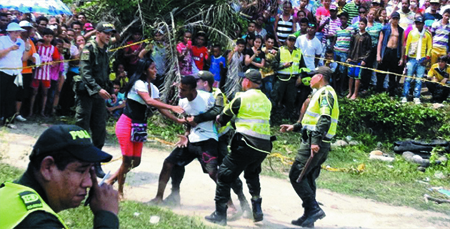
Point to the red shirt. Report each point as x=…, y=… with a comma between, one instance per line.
x=199, y=55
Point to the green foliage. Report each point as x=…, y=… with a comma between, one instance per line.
x=163, y=128
x=386, y=119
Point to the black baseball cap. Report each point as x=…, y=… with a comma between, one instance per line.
x=205, y=76
x=253, y=75
x=419, y=19
x=395, y=15
x=72, y=139
x=105, y=27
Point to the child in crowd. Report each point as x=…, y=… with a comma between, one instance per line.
x=360, y=47
x=57, y=77
x=47, y=53
x=186, y=61
x=199, y=50
x=218, y=64
x=116, y=109
x=119, y=75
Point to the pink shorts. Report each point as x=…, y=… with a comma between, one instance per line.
x=123, y=133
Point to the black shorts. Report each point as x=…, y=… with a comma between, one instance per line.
x=204, y=151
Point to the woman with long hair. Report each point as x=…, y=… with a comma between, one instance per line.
x=254, y=57
x=140, y=93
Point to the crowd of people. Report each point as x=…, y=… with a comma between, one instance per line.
x=284, y=63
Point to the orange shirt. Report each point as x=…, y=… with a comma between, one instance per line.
x=25, y=64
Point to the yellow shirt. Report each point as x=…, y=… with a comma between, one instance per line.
x=113, y=77
x=437, y=73
x=412, y=44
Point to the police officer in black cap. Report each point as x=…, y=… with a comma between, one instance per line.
x=94, y=87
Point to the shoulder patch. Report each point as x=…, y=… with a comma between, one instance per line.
x=31, y=200
x=85, y=54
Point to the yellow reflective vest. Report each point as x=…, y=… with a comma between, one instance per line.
x=313, y=112
x=17, y=202
x=294, y=70
x=224, y=129
x=254, y=114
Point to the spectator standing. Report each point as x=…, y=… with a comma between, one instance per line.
x=390, y=52
x=157, y=47
x=254, y=57
x=119, y=74
x=310, y=46
x=12, y=50
x=186, y=62
x=418, y=51
x=433, y=15
x=259, y=30
x=406, y=15
x=441, y=37
x=329, y=25
x=352, y=8
x=199, y=50
x=341, y=49
x=268, y=73
x=218, y=64
x=132, y=52
x=284, y=24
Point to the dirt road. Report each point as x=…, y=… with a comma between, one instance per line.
x=280, y=203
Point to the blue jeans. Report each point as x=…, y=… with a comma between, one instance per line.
x=267, y=85
x=341, y=57
x=414, y=67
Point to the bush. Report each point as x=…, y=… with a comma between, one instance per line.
x=386, y=119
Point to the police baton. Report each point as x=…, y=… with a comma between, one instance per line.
x=302, y=174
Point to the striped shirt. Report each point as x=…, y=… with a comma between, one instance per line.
x=441, y=37
x=343, y=39
x=352, y=9
x=47, y=54
x=373, y=31
x=332, y=27
x=284, y=28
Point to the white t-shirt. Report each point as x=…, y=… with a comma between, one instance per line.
x=202, y=103
x=14, y=58
x=310, y=48
x=142, y=87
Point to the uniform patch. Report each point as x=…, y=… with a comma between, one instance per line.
x=85, y=55
x=31, y=200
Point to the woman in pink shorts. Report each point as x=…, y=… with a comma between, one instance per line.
x=140, y=94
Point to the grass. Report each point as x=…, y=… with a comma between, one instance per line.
x=132, y=214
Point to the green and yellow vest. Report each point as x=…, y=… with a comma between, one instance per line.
x=294, y=70
x=17, y=202
x=312, y=113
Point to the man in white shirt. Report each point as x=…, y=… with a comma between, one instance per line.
x=199, y=141
x=310, y=46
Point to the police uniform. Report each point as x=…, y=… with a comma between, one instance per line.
x=249, y=146
x=284, y=86
x=318, y=127
x=91, y=110
x=24, y=204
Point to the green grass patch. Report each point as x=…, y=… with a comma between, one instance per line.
x=131, y=215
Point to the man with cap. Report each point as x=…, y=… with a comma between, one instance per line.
x=289, y=64
x=249, y=146
x=12, y=51
x=418, y=53
x=94, y=87
x=318, y=127
x=434, y=14
x=198, y=142
x=57, y=178
x=157, y=52
x=390, y=52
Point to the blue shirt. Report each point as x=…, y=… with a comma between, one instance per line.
x=215, y=66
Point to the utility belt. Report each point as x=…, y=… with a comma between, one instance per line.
x=284, y=77
x=306, y=135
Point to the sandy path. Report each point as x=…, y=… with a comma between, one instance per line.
x=280, y=203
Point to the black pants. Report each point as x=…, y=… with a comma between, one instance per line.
x=67, y=96
x=241, y=159
x=366, y=75
x=439, y=92
x=8, y=93
x=306, y=189
x=389, y=63
x=91, y=115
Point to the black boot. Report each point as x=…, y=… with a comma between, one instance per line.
x=219, y=216
x=299, y=221
x=257, y=211
x=313, y=212
x=99, y=171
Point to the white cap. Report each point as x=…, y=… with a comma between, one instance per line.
x=25, y=24
x=14, y=27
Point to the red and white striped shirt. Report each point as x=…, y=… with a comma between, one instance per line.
x=47, y=54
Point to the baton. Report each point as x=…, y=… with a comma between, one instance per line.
x=302, y=174
x=88, y=200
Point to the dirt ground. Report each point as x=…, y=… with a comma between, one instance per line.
x=280, y=203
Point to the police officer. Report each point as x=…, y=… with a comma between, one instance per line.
x=95, y=87
x=249, y=147
x=57, y=178
x=289, y=65
x=318, y=128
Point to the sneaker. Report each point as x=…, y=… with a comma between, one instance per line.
x=20, y=118
x=417, y=101
x=404, y=100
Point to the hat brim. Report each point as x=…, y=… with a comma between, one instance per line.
x=15, y=30
x=89, y=154
x=109, y=30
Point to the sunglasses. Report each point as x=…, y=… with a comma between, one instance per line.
x=362, y=12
